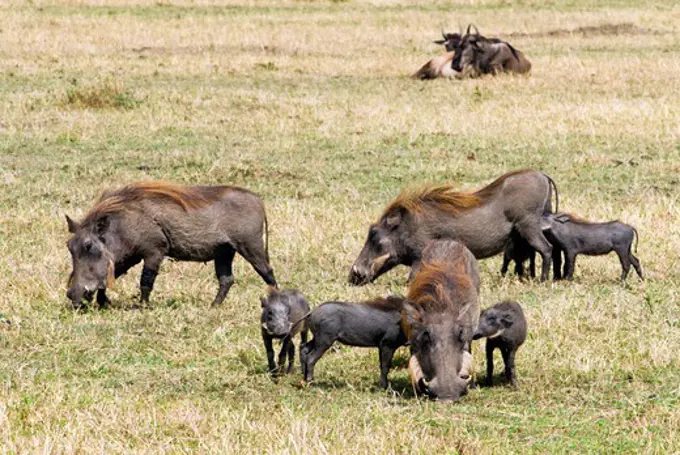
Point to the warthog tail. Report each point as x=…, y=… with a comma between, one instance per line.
x=557, y=197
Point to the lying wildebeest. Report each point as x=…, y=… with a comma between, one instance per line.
x=504, y=327
x=150, y=220
x=575, y=236
x=283, y=317
x=440, y=66
x=374, y=323
x=476, y=55
x=518, y=251
x=440, y=317
x=482, y=220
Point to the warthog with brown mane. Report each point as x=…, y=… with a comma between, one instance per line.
x=476, y=55
x=148, y=221
x=482, y=220
x=440, y=319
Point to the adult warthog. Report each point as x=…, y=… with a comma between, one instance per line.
x=476, y=55
x=482, y=220
x=440, y=319
x=151, y=220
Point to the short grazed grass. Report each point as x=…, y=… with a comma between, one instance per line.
x=309, y=104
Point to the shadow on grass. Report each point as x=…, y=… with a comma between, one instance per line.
x=497, y=380
x=402, y=386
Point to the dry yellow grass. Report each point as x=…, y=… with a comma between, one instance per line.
x=309, y=104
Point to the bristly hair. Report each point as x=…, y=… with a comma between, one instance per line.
x=390, y=303
x=446, y=198
x=431, y=288
x=186, y=197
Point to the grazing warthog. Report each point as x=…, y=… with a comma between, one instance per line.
x=482, y=220
x=374, y=323
x=440, y=318
x=575, y=236
x=440, y=66
x=283, y=314
x=519, y=250
x=476, y=55
x=151, y=220
x=504, y=327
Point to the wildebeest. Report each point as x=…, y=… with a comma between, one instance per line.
x=482, y=220
x=148, y=221
x=283, y=317
x=518, y=251
x=440, y=66
x=373, y=323
x=575, y=236
x=476, y=55
x=440, y=317
x=504, y=327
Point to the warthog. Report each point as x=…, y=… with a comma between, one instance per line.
x=476, y=55
x=374, y=323
x=518, y=250
x=440, y=66
x=148, y=221
x=482, y=220
x=504, y=327
x=575, y=236
x=440, y=318
x=283, y=314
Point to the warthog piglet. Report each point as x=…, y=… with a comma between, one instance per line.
x=374, y=323
x=504, y=327
x=283, y=317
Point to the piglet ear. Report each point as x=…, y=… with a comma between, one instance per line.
x=72, y=225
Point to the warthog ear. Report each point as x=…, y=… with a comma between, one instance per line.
x=72, y=225
x=562, y=217
x=411, y=315
x=263, y=301
x=394, y=219
x=102, y=225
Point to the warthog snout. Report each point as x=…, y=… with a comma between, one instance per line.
x=358, y=276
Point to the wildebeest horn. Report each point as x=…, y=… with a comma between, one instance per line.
x=443, y=34
x=476, y=30
x=468, y=29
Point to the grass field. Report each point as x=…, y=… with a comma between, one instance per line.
x=309, y=104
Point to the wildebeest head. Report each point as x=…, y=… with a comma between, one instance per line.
x=93, y=266
x=386, y=247
x=469, y=48
x=450, y=41
x=438, y=343
x=276, y=314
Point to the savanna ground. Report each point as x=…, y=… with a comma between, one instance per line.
x=309, y=104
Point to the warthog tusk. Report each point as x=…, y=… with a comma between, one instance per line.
x=379, y=262
x=466, y=367
x=497, y=334
x=416, y=373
